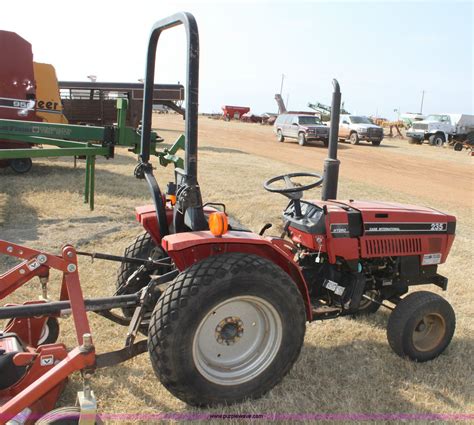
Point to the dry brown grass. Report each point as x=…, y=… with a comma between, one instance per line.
x=346, y=366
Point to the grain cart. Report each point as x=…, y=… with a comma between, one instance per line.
x=232, y=323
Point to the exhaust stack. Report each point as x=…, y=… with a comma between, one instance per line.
x=331, y=163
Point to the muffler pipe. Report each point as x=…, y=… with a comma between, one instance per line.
x=331, y=163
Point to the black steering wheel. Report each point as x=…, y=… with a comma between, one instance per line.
x=294, y=191
x=291, y=187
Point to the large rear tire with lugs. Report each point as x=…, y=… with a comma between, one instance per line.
x=229, y=328
x=421, y=326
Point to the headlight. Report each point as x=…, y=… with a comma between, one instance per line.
x=362, y=130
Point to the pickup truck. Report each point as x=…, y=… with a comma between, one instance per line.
x=441, y=128
x=355, y=128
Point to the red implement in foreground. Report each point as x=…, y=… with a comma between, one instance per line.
x=33, y=367
x=34, y=373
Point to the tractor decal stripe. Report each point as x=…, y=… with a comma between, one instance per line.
x=341, y=230
x=405, y=228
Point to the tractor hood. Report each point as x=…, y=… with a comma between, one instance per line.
x=390, y=217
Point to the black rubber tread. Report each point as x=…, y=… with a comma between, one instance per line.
x=53, y=331
x=439, y=140
x=21, y=166
x=356, y=140
x=301, y=139
x=405, y=317
x=470, y=138
x=376, y=142
x=280, y=136
x=370, y=308
x=196, y=291
x=140, y=248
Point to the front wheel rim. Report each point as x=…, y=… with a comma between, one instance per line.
x=237, y=340
x=429, y=332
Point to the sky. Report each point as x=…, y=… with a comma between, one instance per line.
x=384, y=54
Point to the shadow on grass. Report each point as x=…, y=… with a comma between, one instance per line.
x=68, y=179
x=353, y=378
x=14, y=228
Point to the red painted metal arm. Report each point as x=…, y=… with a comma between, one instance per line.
x=75, y=360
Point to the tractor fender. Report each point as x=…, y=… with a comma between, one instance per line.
x=146, y=216
x=186, y=249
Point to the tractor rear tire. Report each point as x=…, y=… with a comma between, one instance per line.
x=229, y=328
x=280, y=137
x=143, y=247
x=421, y=326
x=354, y=138
x=21, y=166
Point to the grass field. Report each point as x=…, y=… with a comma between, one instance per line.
x=346, y=365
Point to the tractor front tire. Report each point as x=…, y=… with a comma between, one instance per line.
x=143, y=247
x=229, y=328
x=421, y=326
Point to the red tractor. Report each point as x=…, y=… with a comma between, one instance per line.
x=232, y=323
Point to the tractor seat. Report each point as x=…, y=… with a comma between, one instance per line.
x=10, y=345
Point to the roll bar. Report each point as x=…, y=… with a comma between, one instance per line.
x=191, y=196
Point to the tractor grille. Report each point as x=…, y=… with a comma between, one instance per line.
x=391, y=246
x=420, y=126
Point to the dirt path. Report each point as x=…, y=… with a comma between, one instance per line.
x=421, y=171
